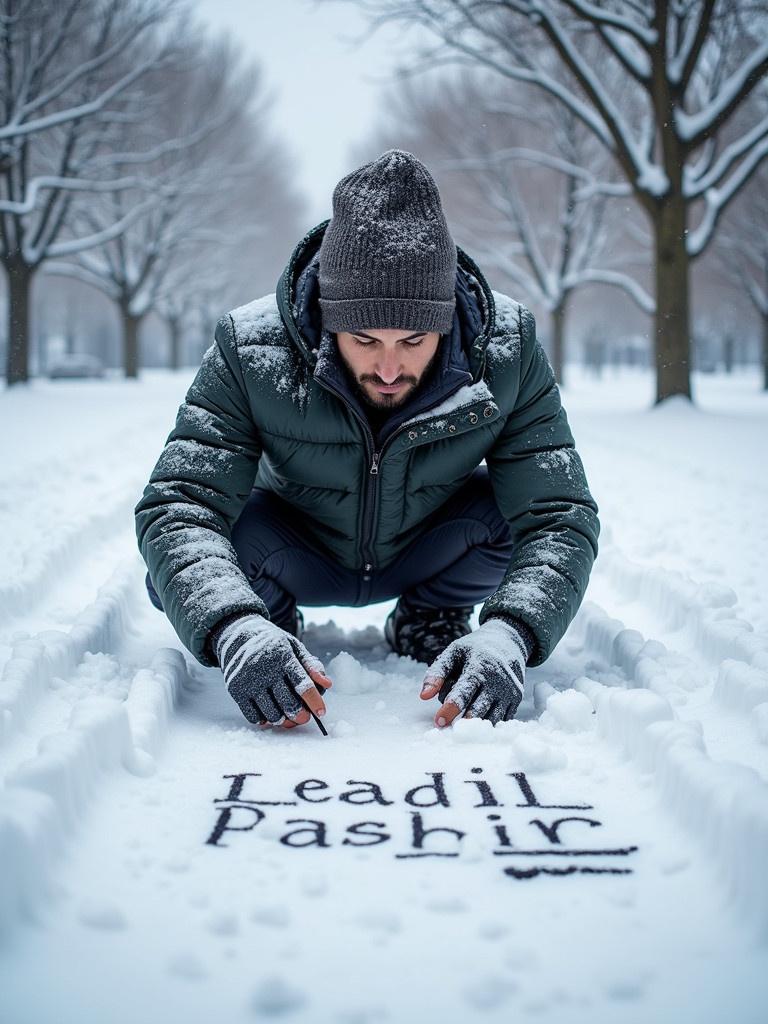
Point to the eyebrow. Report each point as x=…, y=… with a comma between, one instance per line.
x=408, y=337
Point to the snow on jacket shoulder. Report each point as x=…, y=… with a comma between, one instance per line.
x=268, y=408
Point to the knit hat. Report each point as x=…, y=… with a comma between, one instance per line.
x=387, y=258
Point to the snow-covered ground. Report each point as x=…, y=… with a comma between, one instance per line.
x=601, y=858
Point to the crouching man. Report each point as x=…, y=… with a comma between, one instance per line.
x=383, y=426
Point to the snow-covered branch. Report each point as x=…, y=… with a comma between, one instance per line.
x=99, y=237
x=681, y=64
x=600, y=15
x=716, y=199
x=28, y=204
x=623, y=281
x=697, y=185
x=693, y=129
x=15, y=128
x=82, y=274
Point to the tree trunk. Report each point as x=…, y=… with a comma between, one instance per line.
x=19, y=276
x=131, y=326
x=174, y=331
x=558, y=342
x=671, y=326
x=728, y=353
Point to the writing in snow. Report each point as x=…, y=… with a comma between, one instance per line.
x=560, y=840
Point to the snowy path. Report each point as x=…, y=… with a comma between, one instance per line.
x=154, y=879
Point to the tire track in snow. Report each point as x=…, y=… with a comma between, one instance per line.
x=45, y=797
x=63, y=546
x=37, y=661
x=724, y=805
x=723, y=672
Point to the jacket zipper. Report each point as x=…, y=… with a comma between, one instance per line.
x=374, y=458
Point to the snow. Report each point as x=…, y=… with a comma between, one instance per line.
x=466, y=395
x=601, y=857
x=251, y=318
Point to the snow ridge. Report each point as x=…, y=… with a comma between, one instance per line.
x=45, y=797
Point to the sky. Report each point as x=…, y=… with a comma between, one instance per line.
x=327, y=85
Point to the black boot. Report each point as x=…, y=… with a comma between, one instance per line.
x=424, y=633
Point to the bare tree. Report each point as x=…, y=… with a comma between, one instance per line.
x=196, y=119
x=510, y=165
x=69, y=74
x=693, y=63
x=212, y=189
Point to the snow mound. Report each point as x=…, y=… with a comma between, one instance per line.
x=350, y=676
x=568, y=710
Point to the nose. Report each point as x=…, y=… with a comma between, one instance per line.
x=389, y=366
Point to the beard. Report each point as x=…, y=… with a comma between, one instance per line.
x=384, y=401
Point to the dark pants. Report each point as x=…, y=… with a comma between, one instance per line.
x=458, y=560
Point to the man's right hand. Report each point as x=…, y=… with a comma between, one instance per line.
x=265, y=668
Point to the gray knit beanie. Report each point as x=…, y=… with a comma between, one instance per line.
x=387, y=258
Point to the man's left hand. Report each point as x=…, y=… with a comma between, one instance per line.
x=481, y=675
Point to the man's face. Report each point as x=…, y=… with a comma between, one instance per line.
x=387, y=365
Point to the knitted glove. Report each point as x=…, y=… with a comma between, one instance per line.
x=482, y=673
x=262, y=664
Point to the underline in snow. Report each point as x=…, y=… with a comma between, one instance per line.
x=402, y=856
x=621, y=852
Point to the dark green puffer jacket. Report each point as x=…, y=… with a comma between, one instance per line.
x=269, y=408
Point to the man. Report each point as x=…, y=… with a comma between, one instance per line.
x=329, y=451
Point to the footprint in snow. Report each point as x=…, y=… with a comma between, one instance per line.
x=275, y=996
x=222, y=924
x=625, y=989
x=380, y=921
x=489, y=992
x=187, y=966
x=109, y=918
x=274, y=916
x=447, y=905
x=314, y=885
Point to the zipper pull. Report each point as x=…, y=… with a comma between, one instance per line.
x=375, y=463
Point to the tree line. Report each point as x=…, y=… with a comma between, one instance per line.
x=135, y=156
x=619, y=144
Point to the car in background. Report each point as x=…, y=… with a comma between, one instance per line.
x=75, y=366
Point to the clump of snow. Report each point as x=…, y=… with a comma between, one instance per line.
x=350, y=676
x=760, y=722
x=570, y=711
x=255, y=316
x=466, y=395
x=740, y=686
